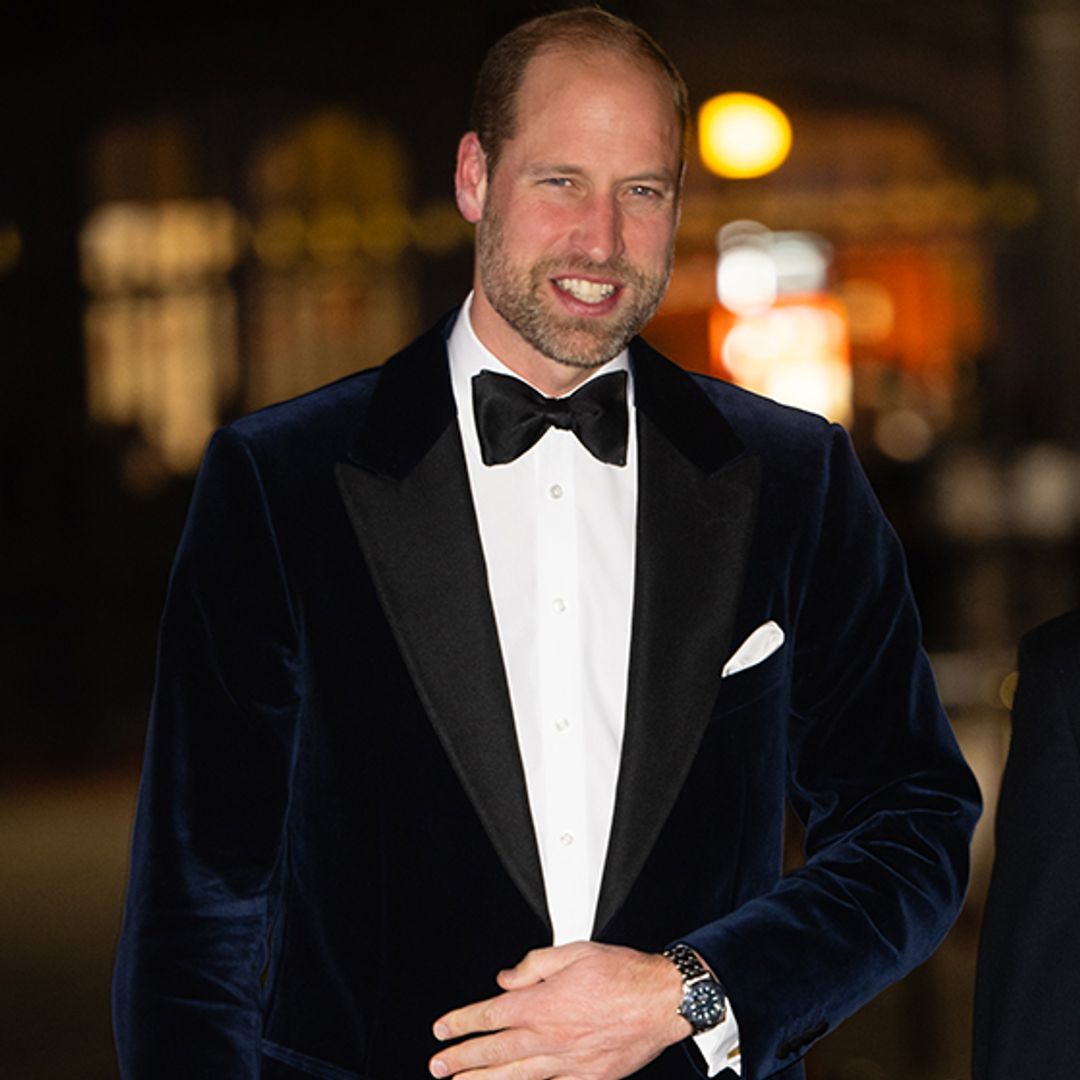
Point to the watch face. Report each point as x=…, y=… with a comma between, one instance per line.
x=703, y=1005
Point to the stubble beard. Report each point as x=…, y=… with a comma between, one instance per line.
x=518, y=295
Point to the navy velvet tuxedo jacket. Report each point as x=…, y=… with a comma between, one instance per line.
x=1028, y=981
x=333, y=842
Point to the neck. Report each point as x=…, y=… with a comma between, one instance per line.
x=549, y=376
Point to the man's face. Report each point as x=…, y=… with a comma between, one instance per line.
x=576, y=232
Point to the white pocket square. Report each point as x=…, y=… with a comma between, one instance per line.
x=762, y=643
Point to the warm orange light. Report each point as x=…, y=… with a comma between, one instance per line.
x=742, y=135
x=796, y=352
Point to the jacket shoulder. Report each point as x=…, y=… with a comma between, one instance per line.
x=1057, y=637
x=1049, y=656
x=714, y=421
x=323, y=417
x=325, y=421
x=761, y=423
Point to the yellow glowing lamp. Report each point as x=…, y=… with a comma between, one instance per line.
x=742, y=135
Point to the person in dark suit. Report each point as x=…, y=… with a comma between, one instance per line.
x=498, y=662
x=1028, y=975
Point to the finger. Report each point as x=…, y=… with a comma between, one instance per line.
x=491, y=1014
x=505, y=1048
x=539, y=1068
x=540, y=964
x=531, y=1069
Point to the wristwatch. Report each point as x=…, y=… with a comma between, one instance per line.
x=704, y=1003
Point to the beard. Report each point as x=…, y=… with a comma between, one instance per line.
x=518, y=295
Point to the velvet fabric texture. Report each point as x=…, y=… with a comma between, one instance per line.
x=333, y=843
x=1028, y=978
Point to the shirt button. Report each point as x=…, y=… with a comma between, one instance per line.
x=555, y=491
x=559, y=604
x=566, y=839
x=562, y=724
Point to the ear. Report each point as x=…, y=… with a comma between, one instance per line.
x=470, y=177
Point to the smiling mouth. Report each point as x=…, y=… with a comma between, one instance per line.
x=587, y=292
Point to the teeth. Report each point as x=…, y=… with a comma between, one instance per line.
x=588, y=292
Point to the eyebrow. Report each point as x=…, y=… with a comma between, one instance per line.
x=547, y=168
x=543, y=168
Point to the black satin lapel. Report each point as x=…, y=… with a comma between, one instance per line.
x=422, y=544
x=694, y=529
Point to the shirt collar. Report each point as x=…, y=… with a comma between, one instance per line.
x=469, y=356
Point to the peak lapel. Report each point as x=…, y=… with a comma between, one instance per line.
x=407, y=494
x=697, y=501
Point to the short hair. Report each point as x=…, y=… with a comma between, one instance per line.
x=494, y=106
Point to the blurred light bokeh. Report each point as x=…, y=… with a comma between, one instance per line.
x=742, y=136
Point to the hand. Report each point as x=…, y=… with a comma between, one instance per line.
x=583, y=1011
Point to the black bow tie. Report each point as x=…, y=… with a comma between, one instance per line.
x=511, y=416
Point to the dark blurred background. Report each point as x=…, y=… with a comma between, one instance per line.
x=206, y=209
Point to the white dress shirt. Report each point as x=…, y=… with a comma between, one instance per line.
x=558, y=529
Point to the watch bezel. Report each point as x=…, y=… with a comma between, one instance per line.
x=698, y=983
x=704, y=1004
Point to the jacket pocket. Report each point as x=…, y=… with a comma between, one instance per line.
x=752, y=683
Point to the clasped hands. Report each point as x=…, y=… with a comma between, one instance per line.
x=583, y=1011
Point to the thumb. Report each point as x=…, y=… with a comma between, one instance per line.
x=540, y=964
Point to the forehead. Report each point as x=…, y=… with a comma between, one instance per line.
x=600, y=101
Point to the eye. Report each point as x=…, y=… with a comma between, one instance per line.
x=643, y=191
x=556, y=181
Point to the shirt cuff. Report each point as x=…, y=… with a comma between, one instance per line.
x=719, y=1046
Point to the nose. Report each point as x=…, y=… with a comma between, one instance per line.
x=598, y=230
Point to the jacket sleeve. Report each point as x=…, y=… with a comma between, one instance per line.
x=214, y=790
x=874, y=773
x=1028, y=976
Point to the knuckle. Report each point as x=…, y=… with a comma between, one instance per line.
x=490, y=1052
x=584, y=950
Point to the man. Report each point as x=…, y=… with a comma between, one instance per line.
x=1028, y=979
x=454, y=676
